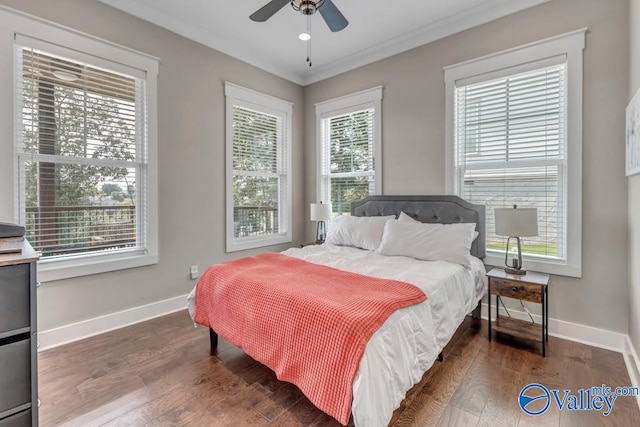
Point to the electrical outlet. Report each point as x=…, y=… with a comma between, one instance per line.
x=194, y=272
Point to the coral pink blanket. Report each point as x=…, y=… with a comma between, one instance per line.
x=309, y=323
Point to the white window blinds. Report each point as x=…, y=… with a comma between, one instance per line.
x=81, y=155
x=258, y=169
x=347, y=159
x=510, y=148
x=258, y=174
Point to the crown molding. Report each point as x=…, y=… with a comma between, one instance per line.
x=473, y=17
x=469, y=18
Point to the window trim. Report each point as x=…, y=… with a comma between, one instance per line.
x=36, y=32
x=343, y=105
x=511, y=61
x=241, y=96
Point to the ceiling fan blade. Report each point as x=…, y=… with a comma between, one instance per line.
x=268, y=10
x=332, y=16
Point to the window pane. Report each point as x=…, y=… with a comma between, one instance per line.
x=73, y=112
x=256, y=137
x=348, y=154
x=510, y=149
x=255, y=141
x=70, y=109
x=345, y=191
x=521, y=117
x=72, y=208
x=255, y=206
x=527, y=188
x=351, y=142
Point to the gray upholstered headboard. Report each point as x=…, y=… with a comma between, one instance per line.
x=438, y=209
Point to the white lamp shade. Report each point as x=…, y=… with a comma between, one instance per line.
x=320, y=211
x=516, y=222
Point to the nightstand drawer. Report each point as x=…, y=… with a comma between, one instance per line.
x=15, y=374
x=14, y=297
x=511, y=289
x=22, y=419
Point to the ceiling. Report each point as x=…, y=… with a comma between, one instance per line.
x=377, y=29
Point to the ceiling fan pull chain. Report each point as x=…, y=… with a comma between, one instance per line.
x=309, y=41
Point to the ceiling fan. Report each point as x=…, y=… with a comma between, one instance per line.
x=330, y=13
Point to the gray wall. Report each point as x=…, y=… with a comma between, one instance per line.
x=191, y=161
x=634, y=186
x=191, y=149
x=413, y=135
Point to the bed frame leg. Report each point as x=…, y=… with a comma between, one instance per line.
x=476, y=313
x=440, y=357
x=213, y=339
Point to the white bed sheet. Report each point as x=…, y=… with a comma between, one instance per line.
x=409, y=341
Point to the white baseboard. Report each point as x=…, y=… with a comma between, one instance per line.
x=595, y=337
x=633, y=365
x=87, y=328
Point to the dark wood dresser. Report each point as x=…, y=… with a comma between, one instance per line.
x=18, y=339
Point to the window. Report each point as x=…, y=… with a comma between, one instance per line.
x=83, y=157
x=258, y=169
x=349, y=147
x=514, y=138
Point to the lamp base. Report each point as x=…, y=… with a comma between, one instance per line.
x=518, y=271
x=321, y=232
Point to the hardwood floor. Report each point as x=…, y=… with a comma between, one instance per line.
x=161, y=372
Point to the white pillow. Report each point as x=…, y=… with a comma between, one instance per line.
x=408, y=218
x=429, y=242
x=362, y=232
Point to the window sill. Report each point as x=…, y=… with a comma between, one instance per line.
x=258, y=242
x=52, y=269
x=555, y=268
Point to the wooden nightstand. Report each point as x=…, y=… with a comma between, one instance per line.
x=533, y=287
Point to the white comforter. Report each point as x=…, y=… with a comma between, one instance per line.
x=409, y=342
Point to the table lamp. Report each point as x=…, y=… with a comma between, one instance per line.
x=321, y=212
x=516, y=223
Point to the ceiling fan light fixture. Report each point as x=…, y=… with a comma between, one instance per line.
x=334, y=19
x=65, y=75
x=306, y=7
x=304, y=36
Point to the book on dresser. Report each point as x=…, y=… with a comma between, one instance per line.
x=18, y=339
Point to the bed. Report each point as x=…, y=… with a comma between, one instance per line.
x=411, y=339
